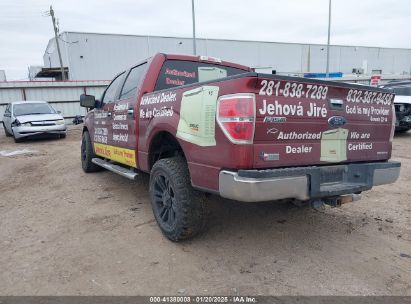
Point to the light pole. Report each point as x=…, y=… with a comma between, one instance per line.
x=327, y=71
x=194, y=27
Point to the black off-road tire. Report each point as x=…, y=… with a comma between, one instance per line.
x=87, y=154
x=63, y=135
x=170, y=188
x=7, y=132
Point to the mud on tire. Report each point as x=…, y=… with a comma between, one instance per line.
x=180, y=210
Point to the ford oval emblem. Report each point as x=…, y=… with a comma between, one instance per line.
x=337, y=121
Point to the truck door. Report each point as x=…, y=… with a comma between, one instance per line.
x=103, y=117
x=124, y=118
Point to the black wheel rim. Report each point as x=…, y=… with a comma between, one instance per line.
x=164, y=200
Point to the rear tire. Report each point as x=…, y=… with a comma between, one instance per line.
x=87, y=154
x=180, y=211
x=7, y=132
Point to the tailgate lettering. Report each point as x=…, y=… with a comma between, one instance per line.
x=277, y=108
x=360, y=146
x=292, y=89
x=298, y=150
x=369, y=97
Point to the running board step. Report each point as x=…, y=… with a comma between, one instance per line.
x=130, y=174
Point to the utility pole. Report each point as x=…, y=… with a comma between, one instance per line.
x=194, y=27
x=327, y=71
x=63, y=75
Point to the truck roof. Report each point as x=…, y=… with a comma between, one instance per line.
x=213, y=60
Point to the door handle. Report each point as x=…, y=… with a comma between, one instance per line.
x=336, y=101
x=336, y=104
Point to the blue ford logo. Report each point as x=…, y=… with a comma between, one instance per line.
x=337, y=121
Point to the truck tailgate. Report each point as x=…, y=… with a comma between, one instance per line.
x=307, y=122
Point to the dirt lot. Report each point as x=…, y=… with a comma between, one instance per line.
x=63, y=232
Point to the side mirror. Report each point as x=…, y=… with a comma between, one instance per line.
x=58, y=112
x=87, y=101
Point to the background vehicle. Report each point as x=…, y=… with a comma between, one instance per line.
x=402, y=102
x=198, y=124
x=27, y=118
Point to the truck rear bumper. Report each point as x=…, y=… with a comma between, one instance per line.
x=305, y=183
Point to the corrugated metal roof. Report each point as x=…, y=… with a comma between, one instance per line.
x=237, y=40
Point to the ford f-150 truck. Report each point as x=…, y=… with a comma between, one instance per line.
x=201, y=125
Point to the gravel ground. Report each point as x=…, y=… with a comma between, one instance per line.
x=64, y=232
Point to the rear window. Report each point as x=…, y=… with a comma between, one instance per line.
x=32, y=108
x=180, y=72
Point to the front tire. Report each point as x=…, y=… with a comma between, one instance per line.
x=179, y=210
x=87, y=154
x=7, y=132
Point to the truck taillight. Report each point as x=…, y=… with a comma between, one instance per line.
x=236, y=117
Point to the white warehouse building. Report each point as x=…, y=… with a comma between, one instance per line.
x=93, y=56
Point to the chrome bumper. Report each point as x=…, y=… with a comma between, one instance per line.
x=22, y=131
x=305, y=182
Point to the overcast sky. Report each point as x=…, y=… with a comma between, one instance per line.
x=24, y=31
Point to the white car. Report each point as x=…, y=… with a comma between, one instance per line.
x=402, y=103
x=27, y=118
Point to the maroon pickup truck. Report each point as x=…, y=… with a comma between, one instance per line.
x=201, y=125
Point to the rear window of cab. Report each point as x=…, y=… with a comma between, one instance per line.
x=181, y=72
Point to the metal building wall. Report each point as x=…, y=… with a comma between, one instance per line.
x=101, y=56
x=50, y=57
x=63, y=96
